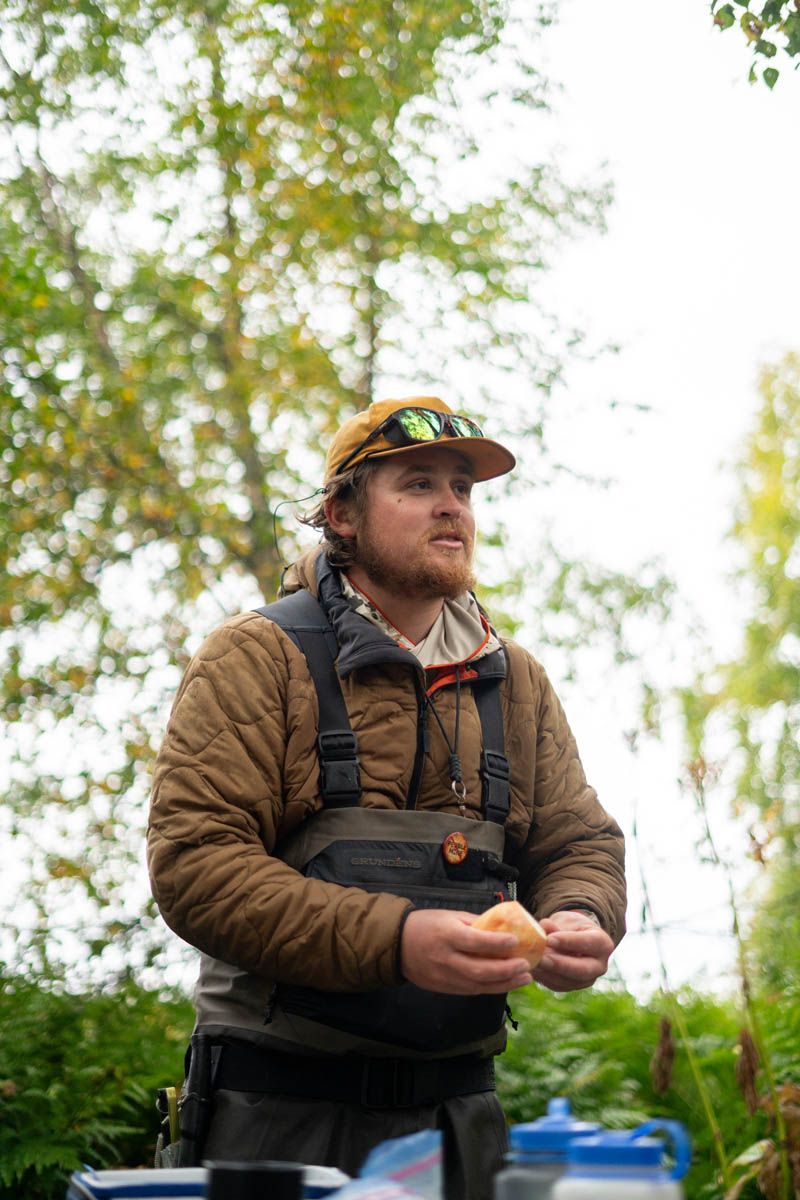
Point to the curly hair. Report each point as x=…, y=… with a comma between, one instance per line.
x=350, y=486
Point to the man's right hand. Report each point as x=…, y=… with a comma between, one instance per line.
x=439, y=951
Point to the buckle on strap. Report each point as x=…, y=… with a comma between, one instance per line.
x=396, y=1083
x=411, y=1082
x=495, y=792
x=340, y=780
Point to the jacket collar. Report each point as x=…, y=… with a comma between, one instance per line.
x=363, y=644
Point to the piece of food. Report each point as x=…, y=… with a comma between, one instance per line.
x=511, y=917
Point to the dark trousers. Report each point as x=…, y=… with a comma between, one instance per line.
x=250, y=1125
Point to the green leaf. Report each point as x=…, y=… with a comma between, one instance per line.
x=768, y=49
x=791, y=29
x=771, y=76
x=753, y=1154
x=725, y=17
x=771, y=12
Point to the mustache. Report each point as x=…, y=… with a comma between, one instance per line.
x=449, y=529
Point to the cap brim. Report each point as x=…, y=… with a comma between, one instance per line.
x=488, y=459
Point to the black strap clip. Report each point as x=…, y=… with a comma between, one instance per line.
x=397, y=1083
x=496, y=795
x=338, y=768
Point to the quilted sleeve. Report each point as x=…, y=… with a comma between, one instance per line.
x=574, y=853
x=237, y=769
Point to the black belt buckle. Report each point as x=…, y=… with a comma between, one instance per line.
x=389, y=1083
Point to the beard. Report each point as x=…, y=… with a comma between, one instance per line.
x=416, y=575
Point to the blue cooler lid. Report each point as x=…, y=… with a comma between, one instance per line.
x=552, y=1134
x=633, y=1149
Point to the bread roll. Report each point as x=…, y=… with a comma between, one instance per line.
x=511, y=917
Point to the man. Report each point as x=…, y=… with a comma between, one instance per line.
x=326, y=837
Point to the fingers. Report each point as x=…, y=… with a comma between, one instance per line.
x=440, y=952
x=568, y=919
x=467, y=975
x=589, y=943
x=483, y=942
x=568, y=975
x=574, y=958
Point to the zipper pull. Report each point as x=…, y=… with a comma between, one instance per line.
x=269, y=1011
x=514, y=1024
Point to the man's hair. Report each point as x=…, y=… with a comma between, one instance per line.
x=350, y=486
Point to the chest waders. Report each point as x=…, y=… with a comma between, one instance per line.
x=388, y=1048
x=399, y=852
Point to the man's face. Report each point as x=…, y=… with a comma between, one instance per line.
x=417, y=534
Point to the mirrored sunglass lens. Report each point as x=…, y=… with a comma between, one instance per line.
x=419, y=424
x=466, y=428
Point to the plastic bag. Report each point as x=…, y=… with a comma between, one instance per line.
x=375, y=1189
x=415, y=1162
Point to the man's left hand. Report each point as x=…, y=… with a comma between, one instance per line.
x=577, y=952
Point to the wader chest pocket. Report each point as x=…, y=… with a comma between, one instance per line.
x=406, y=1015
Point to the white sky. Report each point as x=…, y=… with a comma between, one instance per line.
x=697, y=279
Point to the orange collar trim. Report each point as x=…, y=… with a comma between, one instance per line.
x=447, y=676
x=486, y=635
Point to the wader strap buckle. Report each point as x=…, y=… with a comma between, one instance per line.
x=302, y=618
x=496, y=792
x=338, y=766
x=393, y=1083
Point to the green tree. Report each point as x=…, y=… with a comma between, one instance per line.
x=611, y=1055
x=220, y=224
x=753, y=701
x=771, y=29
x=78, y=1079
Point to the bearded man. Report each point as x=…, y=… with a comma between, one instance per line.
x=349, y=776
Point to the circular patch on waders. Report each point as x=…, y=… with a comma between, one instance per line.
x=455, y=848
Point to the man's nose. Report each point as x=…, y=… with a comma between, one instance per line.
x=449, y=503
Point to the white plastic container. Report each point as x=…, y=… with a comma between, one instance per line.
x=537, y=1154
x=189, y=1183
x=626, y=1165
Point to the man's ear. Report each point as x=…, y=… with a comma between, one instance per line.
x=341, y=516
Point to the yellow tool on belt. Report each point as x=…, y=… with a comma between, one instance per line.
x=169, y=1134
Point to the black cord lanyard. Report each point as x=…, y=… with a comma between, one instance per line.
x=457, y=784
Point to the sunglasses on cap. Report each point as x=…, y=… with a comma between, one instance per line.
x=412, y=426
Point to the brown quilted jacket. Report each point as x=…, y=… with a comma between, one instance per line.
x=238, y=771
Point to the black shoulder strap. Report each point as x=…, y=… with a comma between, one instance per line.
x=495, y=790
x=301, y=616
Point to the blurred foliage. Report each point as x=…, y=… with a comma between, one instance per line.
x=220, y=224
x=774, y=936
x=771, y=29
x=604, y=1050
x=78, y=1079
x=564, y=605
x=754, y=699
x=79, y=1076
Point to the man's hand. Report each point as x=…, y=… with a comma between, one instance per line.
x=577, y=952
x=441, y=953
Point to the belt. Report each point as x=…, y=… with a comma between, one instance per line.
x=371, y=1082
